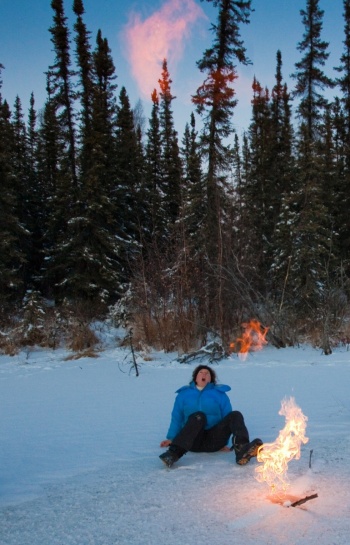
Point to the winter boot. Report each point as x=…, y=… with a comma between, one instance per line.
x=246, y=451
x=172, y=455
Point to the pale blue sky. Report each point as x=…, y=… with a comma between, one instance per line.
x=26, y=49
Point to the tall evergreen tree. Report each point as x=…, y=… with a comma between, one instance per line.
x=24, y=170
x=258, y=188
x=128, y=191
x=89, y=262
x=12, y=258
x=85, y=72
x=171, y=162
x=61, y=79
x=191, y=226
x=21, y=162
x=36, y=198
x=342, y=130
x=309, y=75
x=312, y=243
x=194, y=191
x=82, y=262
x=104, y=112
x=283, y=181
x=282, y=141
x=344, y=68
x=157, y=221
x=51, y=147
x=63, y=228
x=215, y=100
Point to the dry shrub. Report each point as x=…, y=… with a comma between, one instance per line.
x=54, y=330
x=167, y=331
x=75, y=321
x=343, y=337
x=49, y=327
x=16, y=337
x=8, y=346
x=81, y=338
x=162, y=300
x=156, y=332
x=89, y=353
x=32, y=337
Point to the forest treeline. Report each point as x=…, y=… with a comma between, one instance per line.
x=104, y=213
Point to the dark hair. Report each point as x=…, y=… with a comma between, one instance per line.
x=213, y=376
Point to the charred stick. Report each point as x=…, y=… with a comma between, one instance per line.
x=303, y=500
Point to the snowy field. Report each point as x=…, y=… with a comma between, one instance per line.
x=79, y=447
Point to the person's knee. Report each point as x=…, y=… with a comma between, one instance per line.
x=236, y=417
x=236, y=414
x=199, y=416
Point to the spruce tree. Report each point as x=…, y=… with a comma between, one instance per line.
x=171, y=163
x=309, y=75
x=128, y=190
x=35, y=198
x=215, y=101
x=12, y=258
x=63, y=227
x=343, y=81
x=25, y=184
x=157, y=219
x=104, y=111
x=61, y=80
x=194, y=191
x=52, y=220
x=282, y=140
x=90, y=252
x=342, y=131
x=282, y=185
x=258, y=187
x=85, y=73
x=21, y=162
x=191, y=226
x=312, y=242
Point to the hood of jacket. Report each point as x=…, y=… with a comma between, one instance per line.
x=210, y=386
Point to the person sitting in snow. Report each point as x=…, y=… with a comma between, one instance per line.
x=202, y=420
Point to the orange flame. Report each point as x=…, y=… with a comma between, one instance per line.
x=252, y=339
x=276, y=456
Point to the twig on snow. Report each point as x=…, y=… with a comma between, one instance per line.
x=311, y=451
x=303, y=500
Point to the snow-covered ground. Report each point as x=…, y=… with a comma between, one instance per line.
x=79, y=447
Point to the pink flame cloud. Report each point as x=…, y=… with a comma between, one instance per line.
x=160, y=36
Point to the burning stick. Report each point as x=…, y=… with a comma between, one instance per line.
x=303, y=500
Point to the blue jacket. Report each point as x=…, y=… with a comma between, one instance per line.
x=212, y=400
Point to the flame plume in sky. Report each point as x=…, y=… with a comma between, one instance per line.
x=276, y=456
x=160, y=36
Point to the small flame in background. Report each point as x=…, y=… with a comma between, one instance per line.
x=253, y=338
x=276, y=456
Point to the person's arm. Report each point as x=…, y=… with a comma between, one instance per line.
x=176, y=422
x=226, y=406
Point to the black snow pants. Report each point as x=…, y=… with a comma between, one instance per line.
x=196, y=438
